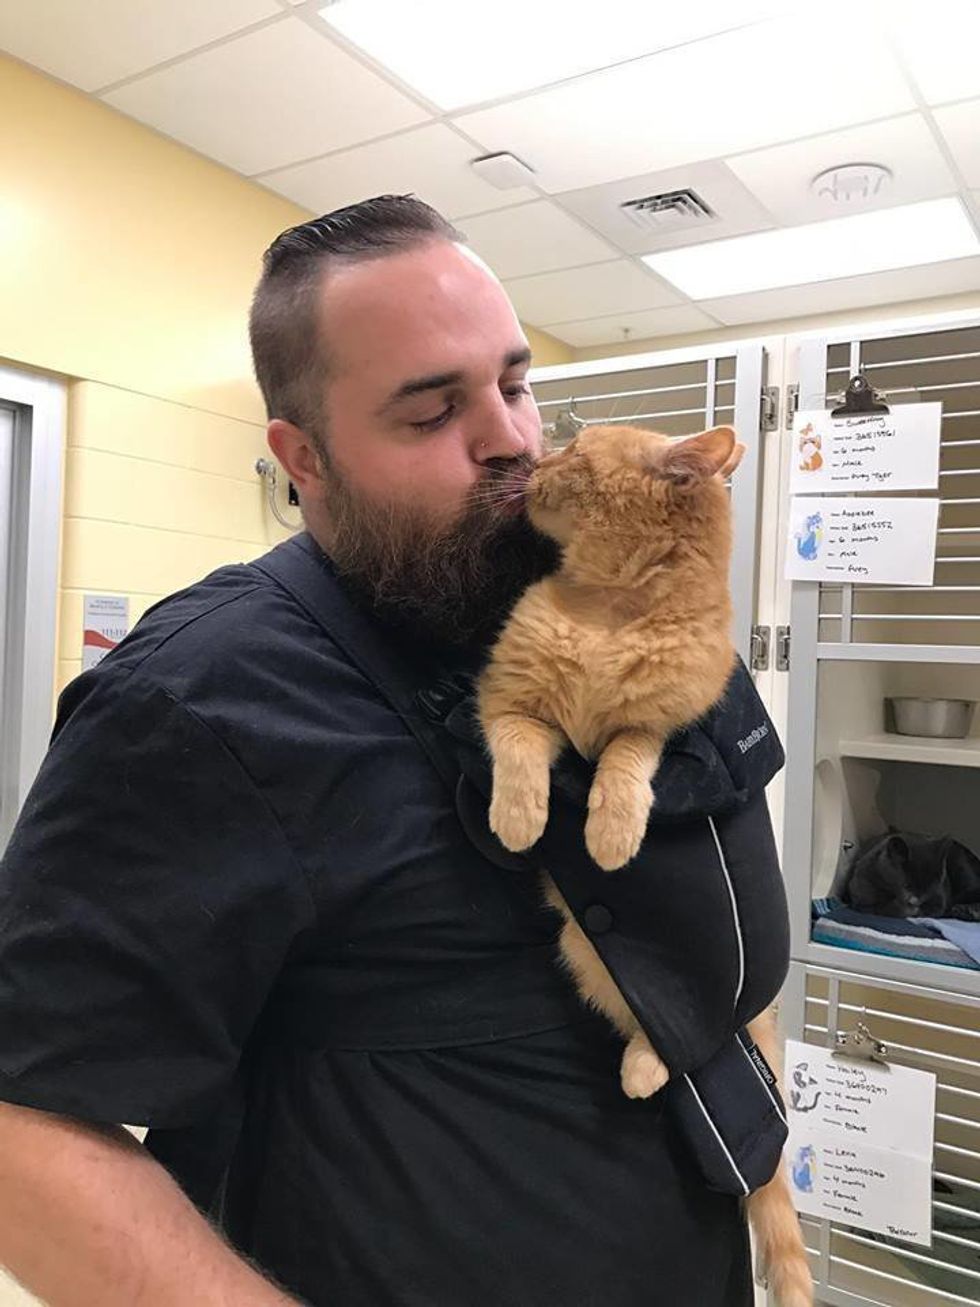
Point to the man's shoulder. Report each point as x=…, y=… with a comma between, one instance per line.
x=232, y=637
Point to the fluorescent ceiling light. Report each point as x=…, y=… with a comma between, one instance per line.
x=458, y=53
x=904, y=237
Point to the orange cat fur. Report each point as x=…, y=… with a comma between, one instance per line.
x=628, y=641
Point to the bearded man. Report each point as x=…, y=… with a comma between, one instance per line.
x=240, y=908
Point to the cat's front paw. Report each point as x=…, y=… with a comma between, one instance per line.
x=642, y=1073
x=616, y=825
x=518, y=816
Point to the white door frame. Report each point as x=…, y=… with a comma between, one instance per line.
x=29, y=589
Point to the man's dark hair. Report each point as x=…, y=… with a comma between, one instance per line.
x=287, y=350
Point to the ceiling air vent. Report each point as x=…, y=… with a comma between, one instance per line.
x=672, y=211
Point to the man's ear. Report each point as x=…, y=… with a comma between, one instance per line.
x=295, y=452
x=689, y=463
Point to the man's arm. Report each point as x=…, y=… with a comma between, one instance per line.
x=88, y=1218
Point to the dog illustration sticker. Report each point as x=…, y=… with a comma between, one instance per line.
x=810, y=444
x=809, y=537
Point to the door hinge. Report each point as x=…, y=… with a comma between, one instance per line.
x=760, y=648
x=782, y=648
x=770, y=408
x=792, y=404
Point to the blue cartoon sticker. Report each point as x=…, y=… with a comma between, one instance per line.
x=805, y=1169
x=809, y=537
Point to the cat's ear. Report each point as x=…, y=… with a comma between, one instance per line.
x=732, y=462
x=897, y=846
x=688, y=463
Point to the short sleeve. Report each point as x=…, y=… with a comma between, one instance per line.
x=148, y=901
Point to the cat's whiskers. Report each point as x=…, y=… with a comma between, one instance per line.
x=499, y=492
x=493, y=505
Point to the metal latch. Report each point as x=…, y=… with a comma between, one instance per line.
x=792, y=404
x=782, y=648
x=860, y=1045
x=760, y=648
x=770, y=408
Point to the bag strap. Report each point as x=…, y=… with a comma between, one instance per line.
x=300, y=568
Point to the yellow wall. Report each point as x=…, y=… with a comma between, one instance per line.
x=126, y=264
x=156, y=495
x=126, y=258
x=547, y=349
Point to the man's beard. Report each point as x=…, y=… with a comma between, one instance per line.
x=441, y=584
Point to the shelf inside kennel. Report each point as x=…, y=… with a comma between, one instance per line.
x=914, y=748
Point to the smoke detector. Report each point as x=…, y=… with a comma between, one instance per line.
x=849, y=185
x=670, y=211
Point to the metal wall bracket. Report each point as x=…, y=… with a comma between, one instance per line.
x=770, y=408
x=792, y=404
x=761, y=636
x=782, y=648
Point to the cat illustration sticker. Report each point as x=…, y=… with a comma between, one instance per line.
x=804, y=1091
x=809, y=537
x=804, y=1168
x=810, y=444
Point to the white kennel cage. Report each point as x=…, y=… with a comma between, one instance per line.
x=847, y=780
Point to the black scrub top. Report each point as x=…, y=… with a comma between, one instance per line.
x=238, y=878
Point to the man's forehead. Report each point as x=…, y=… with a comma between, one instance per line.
x=418, y=313
x=437, y=275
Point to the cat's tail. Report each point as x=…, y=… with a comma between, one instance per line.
x=781, y=1260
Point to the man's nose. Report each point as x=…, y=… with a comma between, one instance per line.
x=496, y=433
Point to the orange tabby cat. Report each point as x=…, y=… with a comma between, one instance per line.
x=626, y=643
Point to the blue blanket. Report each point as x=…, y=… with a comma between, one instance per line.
x=964, y=934
x=918, y=939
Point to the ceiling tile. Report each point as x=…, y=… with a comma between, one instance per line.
x=960, y=124
x=522, y=45
x=939, y=42
x=268, y=98
x=574, y=293
x=102, y=41
x=878, y=288
x=641, y=326
x=781, y=176
x=693, y=103
x=532, y=238
x=737, y=211
x=432, y=161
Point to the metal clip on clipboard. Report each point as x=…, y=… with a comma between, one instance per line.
x=860, y=397
x=860, y=1045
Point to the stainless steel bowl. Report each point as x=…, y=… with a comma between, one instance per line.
x=947, y=719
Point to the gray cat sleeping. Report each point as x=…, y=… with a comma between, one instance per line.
x=902, y=874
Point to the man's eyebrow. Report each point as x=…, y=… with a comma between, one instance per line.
x=419, y=385
x=516, y=357
x=440, y=380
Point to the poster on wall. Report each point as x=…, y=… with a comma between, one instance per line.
x=859, y=1149
x=872, y=539
x=105, y=621
x=866, y=451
